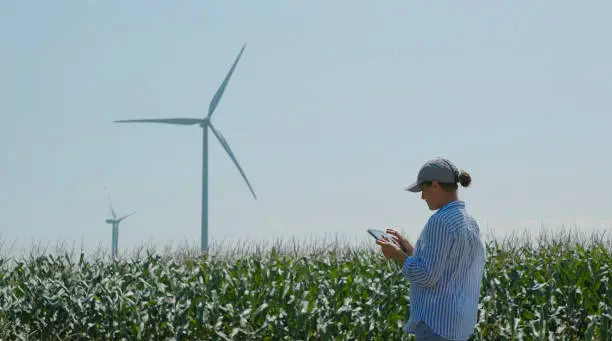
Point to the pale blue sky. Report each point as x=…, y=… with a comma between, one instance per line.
x=331, y=111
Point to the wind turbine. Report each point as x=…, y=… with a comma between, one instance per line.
x=205, y=123
x=115, y=224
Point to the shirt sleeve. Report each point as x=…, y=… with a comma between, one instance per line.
x=426, y=266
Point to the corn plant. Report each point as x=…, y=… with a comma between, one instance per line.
x=554, y=290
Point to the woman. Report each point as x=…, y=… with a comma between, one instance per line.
x=445, y=267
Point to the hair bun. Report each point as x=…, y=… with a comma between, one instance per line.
x=465, y=179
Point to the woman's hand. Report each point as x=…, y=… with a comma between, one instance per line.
x=401, y=241
x=391, y=250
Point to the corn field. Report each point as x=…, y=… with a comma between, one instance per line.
x=552, y=289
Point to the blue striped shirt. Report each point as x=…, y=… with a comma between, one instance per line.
x=445, y=273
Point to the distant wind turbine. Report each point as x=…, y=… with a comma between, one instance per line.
x=205, y=123
x=115, y=224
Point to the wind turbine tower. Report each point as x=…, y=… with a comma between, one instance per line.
x=205, y=123
x=115, y=225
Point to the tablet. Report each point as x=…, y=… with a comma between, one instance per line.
x=377, y=234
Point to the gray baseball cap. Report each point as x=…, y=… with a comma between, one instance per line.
x=439, y=169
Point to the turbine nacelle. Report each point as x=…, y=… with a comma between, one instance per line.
x=110, y=221
x=204, y=123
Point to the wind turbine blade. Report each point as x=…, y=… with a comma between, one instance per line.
x=231, y=155
x=217, y=97
x=125, y=216
x=110, y=204
x=179, y=121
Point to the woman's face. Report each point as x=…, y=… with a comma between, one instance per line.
x=431, y=195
